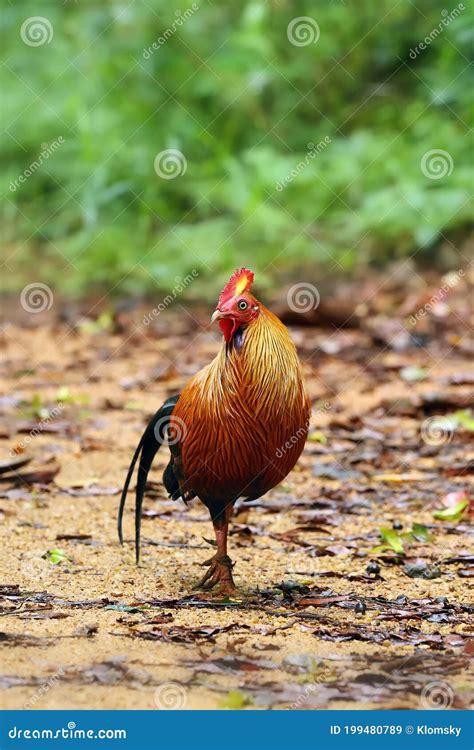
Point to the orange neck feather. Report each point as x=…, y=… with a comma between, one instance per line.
x=265, y=370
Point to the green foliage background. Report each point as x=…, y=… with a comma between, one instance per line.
x=229, y=90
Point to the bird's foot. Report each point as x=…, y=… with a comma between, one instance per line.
x=219, y=574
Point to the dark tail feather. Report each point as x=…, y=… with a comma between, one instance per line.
x=151, y=440
x=126, y=486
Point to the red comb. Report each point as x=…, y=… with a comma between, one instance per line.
x=240, y=282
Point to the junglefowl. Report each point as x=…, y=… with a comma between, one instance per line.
x=238, y=427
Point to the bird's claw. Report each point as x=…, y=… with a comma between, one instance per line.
x=219, y=574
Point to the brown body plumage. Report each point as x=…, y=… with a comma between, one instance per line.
x=243, y=419
x=238, y=427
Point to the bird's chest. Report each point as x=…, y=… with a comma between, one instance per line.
x=245, y=444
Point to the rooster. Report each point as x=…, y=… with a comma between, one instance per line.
x=238, y=427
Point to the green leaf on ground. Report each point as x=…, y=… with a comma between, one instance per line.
x=235, y=700
x=391, y=539
x=421, y=533
x=55, y=556
x=317, y=437
x=465, y=419
x=455, y=513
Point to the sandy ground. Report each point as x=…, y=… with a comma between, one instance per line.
x=95, y=631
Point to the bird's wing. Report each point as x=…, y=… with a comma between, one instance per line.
x=150, y=442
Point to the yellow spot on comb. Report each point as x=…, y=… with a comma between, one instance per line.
x=242, y=284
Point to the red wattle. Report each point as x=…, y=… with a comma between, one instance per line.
x=228, y=327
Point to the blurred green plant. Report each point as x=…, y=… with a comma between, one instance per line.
x=227, y=89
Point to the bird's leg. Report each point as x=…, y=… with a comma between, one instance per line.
x=220, y=564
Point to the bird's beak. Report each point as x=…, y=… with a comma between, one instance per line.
x=217, y=315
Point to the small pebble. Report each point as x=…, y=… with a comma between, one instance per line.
x=360, y=608
x=374, y=568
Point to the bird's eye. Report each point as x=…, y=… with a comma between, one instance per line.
x=242, y=305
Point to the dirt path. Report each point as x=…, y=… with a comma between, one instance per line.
x=83, y=627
